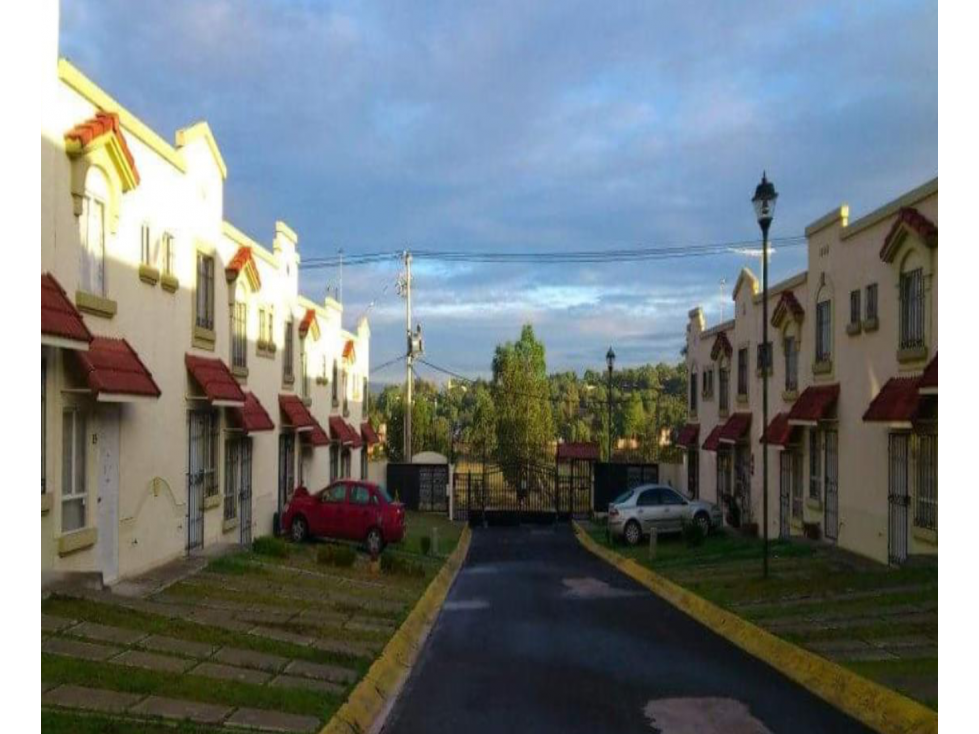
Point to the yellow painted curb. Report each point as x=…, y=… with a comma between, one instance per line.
x=387, y=674
x=880, y=708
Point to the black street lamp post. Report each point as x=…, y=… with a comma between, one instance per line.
x=764, y=203
x=610, y=361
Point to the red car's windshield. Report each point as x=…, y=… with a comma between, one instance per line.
x=384, y=494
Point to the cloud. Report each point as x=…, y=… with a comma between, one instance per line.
x=532, y=126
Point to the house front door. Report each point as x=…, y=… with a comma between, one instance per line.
x=107, y=438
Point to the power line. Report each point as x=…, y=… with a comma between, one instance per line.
x=388, y=363
x=555, y=258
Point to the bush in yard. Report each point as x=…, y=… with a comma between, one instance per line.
x=270, y=546
x=693, y=534
x=398, y=566
x=426, y=544
x=342, y=556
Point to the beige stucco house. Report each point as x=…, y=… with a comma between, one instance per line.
x=187, y=386
x=853, y=388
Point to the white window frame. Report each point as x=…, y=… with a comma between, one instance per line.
x=74, y=489
x=92, y=271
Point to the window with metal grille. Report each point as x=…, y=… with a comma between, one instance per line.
x=169, y=253
x=926, y=494
x=304, y=374
x=912, y=291
x=791, y=364
x=74, y=495
x=345, y=390
x=44, y=424
x=288, y=356
x=796, y=485
x=232, y=477
x=345, y=464
x=693, y=392
x=856, y=308
x=204, y=439
x=831, y=457
x=815, y=473
x=743, y=372
x=872, y=301
x=145, y=251
x=363, y=463
x=693, y=472
x=823, y=333
x=205, y=292
x=287, y=467
x=336, y=387
x=763, y=357
x=239, y=336
x=723, y=388
x=334, y=461
x=366, y=399
x=92, y=273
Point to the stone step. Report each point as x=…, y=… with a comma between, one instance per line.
x=175, y=646
x=78, y=649
x=334, y=673
x=89, y=699
x=173, y=708
x=307, y=684
x=250, y=659
x=105, y=633
x=152, y=661
x=273, y=721
x=230, y=672
x=53, y=623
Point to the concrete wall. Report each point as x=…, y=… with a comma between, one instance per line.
x=842, y=256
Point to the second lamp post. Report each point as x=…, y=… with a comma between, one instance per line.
x=610, y=361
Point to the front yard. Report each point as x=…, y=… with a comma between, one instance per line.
x=878, y=621
x=271, y=638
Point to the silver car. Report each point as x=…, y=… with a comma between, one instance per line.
x=636, y=512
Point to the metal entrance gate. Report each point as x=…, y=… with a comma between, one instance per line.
x=898, y=497
x=200, y=455
x=523, y=493
x=831, y=519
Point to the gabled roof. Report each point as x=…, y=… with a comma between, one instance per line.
x=104, y=129
x=244, y=260
x=297, y=415
x=788, y=306
x=308, y=322
x=114, y=371
x=722, y=345
x=215, y=379
x=908, y=220
x=202, y=131
x=688, y=435
x=745, y=276
x=815, y=404
x=60, y=319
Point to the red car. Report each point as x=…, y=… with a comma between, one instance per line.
x=346, y=509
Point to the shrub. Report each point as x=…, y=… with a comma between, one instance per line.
x=693, y=534
x=270, y=546
x=342, y=556
x=398, y=566
x=426, y=544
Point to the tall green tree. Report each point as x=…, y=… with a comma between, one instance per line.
x=521, y=394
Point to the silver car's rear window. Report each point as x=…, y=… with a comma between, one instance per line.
x=623, y=497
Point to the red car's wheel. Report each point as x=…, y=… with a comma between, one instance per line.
x=299, y=529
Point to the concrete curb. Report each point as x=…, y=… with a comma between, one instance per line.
x=880, y=708
x=372, y=698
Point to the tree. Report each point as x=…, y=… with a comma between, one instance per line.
x=524, y=423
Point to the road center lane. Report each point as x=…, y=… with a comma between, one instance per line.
x=540, y=634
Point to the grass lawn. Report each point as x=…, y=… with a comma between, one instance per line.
x=276, y=575
x=815, y=593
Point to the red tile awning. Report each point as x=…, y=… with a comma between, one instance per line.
x=928, y=385
x=897, y=402
x=318, y=437
x=348, y=351
x=577, y=451
x=244, y=261
x=114, y=372
x=688, y=435
x=343, y=433
x=252, y=416
x=308, y=322
x=736, y=428
x=61, y=324
x=713, y=443
x=104, y=123
x=815, y=404
x=779, y=431
x=215, y=379
x=296, y=414
x=368, y=433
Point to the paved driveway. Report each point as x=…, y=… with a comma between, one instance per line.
x=539, y=635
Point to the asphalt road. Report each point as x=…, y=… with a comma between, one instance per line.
x=539, y=635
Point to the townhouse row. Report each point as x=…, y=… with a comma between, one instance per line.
x=187, y=387
x=853, y=388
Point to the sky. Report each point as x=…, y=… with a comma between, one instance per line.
x=541, y=126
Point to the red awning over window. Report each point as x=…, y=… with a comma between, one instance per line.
x=897, y=401
x=296, y=414
x=215, y=379
x=577, y=451
x=60, y=321
x=688, y=435
x=252, y=416
x=779, y=431
x=114, y=372
x=815, y=404
x=929, y=380
x=712, y=443
x=736, y=428
x=344, y=433
x=368, y=433
x=318, y=437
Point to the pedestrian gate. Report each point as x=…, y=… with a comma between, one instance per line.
x=898, y=498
